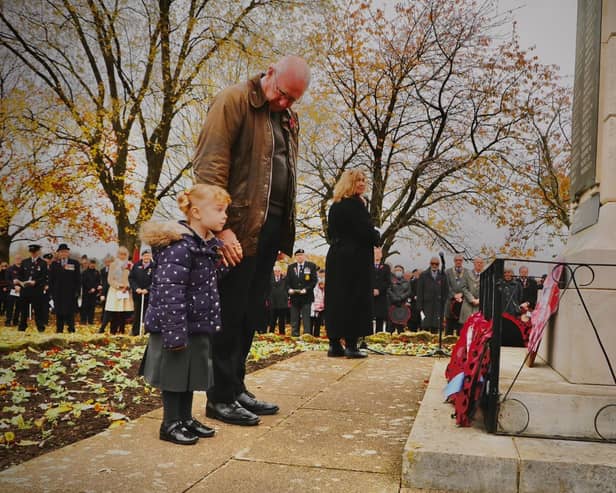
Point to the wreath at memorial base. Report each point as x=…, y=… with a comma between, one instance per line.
x=468, y=367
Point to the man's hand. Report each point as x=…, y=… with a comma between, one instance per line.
x=231, y=248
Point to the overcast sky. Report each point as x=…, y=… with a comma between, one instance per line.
x=549, y=25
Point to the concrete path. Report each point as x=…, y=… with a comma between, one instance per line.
x=341, y=428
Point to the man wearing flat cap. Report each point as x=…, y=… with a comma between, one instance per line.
x=64, y=285
x=140, y=280
x=31, y=278
x=301, y=279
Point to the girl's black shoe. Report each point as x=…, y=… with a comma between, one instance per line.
x=199, y=429
x=176, y=432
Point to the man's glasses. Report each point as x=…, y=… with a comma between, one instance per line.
x=284, y=94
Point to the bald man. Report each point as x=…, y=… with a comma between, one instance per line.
x=248, y=146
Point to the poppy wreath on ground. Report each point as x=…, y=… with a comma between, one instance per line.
x=471, y=358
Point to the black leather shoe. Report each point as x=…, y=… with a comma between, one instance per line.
x=232, y=413
x=176, y=432
x=354, y=353
x=257, y=407
x=198, y=428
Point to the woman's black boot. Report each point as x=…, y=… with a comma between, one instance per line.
x=335, y=348
x=351, y=350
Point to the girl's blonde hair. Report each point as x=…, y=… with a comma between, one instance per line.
x=200, y=191
x=346, y=185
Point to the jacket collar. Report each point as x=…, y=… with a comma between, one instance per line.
x=256, y=96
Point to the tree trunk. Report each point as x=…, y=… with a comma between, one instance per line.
x=5, y=245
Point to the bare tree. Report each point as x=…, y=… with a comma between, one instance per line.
x=427, y=101
x=122, y=72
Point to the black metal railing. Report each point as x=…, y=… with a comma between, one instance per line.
x=491, y=305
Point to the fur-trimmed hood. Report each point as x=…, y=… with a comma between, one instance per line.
x=159, y=234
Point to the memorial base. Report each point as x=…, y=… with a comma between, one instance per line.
x=544, y=404
x=569, y=344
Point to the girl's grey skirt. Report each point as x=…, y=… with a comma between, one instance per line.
x=178, y=371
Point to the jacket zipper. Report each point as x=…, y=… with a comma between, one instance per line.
x=269, y=190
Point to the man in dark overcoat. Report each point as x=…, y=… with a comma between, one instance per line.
x=456, y=280
x=431, y=293
x=529, y=288
x=381, y=282
x=414, y=322
x=32, y=278
x=398, y=295
x=278, y=301
x=140, y=279
x=90, y=284
x=64, y=286
x=302, y=277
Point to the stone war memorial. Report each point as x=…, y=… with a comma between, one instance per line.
x=554, y=424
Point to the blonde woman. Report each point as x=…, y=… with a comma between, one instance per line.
x=349, y=263
x=119, y=303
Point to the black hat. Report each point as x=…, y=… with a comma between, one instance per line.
x=34, y=248
x=48, y=256
x=299, y=250
x=62, y=246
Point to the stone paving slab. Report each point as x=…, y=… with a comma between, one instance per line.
x=363, y=390
x=238, y=476
x=366, y=444
x=345, y=440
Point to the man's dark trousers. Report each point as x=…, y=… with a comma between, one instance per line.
x=242, y=294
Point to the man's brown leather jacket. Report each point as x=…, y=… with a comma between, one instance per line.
x=235, y=150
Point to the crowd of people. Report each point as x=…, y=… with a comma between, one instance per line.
x=54, y=283
x=403, y=299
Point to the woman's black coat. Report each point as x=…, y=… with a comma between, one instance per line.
x=349, y=269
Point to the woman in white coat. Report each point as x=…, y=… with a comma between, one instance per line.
x=119, y=302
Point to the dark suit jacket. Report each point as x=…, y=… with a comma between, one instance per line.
x=529, y=291
x=36, y=271
x=431, y=295
x=381, y=281
x=104, y=282
x=307, y=281
x=64, y=286
x=278, y=295
x=140, y=277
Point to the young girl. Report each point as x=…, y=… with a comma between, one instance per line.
x=184, y=308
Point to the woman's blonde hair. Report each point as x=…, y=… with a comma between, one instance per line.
x=123, y=249
x=200, y=191
x=346, y=185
